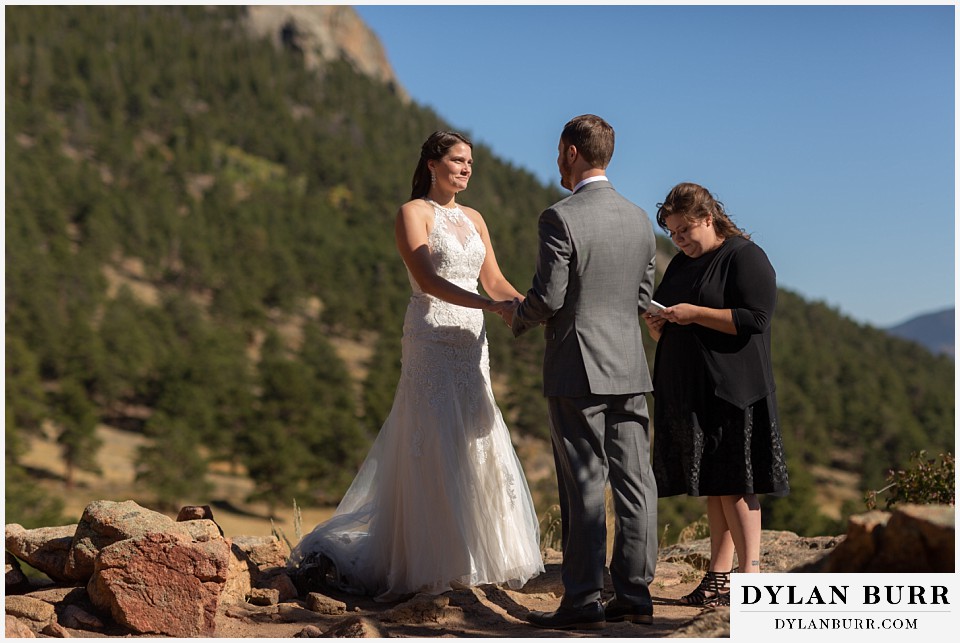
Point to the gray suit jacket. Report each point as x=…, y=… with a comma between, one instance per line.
x=595, y=273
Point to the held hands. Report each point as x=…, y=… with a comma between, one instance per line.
x=505, y=309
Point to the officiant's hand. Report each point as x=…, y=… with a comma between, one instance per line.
x=655, y=324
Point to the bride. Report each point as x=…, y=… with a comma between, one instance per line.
x=441, y=499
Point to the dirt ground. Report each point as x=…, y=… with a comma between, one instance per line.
x=485, y=611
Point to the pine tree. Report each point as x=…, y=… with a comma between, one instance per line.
x=78, y=422
x=172, y=465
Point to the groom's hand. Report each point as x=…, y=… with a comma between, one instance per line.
x=500, y=307
x=506, y=309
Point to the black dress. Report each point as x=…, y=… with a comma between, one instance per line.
x=716, y=427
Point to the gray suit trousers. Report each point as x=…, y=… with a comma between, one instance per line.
x=596, y=438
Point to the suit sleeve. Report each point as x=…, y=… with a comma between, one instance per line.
x=754, y=290
x=646, y=285
x=549, y=289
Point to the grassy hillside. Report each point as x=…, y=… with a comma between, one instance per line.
x=199, y=250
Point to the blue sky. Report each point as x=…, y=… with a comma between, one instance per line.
x=827, y=131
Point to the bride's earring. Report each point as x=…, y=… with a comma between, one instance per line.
x=433, y=179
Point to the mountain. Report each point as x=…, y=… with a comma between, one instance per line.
x=935, y=331
x=324, y=34
x=199, y=251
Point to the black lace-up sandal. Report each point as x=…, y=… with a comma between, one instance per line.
x=714, y=589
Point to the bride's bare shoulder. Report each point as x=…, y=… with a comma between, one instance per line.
x=416, y=208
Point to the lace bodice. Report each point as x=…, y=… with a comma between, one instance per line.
x=455, y=247
x=457, y=252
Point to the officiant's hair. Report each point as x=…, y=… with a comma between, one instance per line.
x=592, y=136
x=695, y=203
x=433, y=149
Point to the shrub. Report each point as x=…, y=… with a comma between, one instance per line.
x=925, y=482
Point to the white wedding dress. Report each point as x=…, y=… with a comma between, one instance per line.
x=441, y=498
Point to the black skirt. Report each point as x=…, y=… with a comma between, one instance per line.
x=706, y=446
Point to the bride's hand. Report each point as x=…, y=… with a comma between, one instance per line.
x=505, y=309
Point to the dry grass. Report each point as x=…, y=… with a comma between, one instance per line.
x=118, y=482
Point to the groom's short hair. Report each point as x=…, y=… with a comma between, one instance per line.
x=593, y=138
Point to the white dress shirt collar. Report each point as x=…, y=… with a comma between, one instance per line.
x=590, y=179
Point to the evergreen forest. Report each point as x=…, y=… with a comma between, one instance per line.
x=195, y=222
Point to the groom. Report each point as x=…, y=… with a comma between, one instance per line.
x=594, y=276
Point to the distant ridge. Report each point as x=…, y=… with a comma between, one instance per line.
x=935, y=331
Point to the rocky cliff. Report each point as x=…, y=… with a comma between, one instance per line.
x=324, y=33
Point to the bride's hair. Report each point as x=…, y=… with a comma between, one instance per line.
x=433, y=149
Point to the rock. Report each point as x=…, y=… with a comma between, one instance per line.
x=260, y=596
x=422, y=608
x=14, y=579
x=61, y=596
x=324, y=33
x=711, y=623
x=195, y=512
x=239, y=579
x=238, y=612
x=309, y=632
x=265, y=555
x=253, y=559
x=26, y=607
x=14, y=628
x=282, y=583
x=79, y=619
x=104, y=523
x=200, y=530
x=784, y=551
x=321, y=604
x=861, y=542
x=161, y=583
x=293, y=612
x=918, y=539
x=909, y=539
x=355, y=627
x=780, y=551
x=56, y=630
x=45, y=549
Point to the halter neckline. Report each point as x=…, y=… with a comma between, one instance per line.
x=455, y=208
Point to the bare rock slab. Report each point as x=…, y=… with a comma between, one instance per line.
x=32, y=609
x=45, y=548
x=162, y=583
x=355, y=627
x=14, y=628
x=263, y=554
x=55, y=630
x=908, y=539
x=321, y=604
